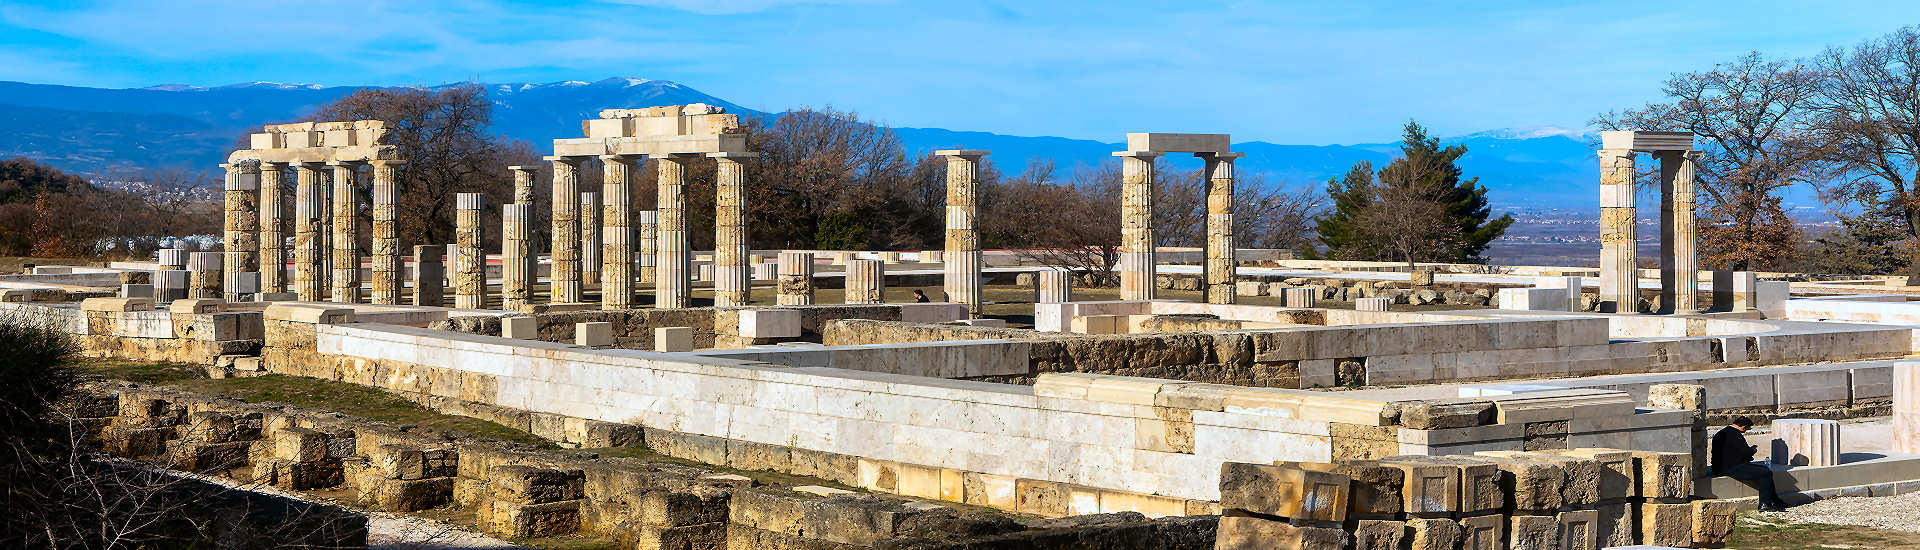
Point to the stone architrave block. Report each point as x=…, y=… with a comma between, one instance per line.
x=593, y=335
x=519, y=328
x=1433, y=534
x=1619, y=476
x=769, y=323
x=1534, y=533
x=1488, y=532
x=197, y=305
x=1284, y=492
x=673, y=339
x=1579, y=530
x=1375, y=534
x=1666, y=524
x=1431, y=490
x=1712, y=521
x=1664, y=476
x=1240, y=532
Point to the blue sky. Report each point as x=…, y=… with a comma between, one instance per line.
x=1306, y=72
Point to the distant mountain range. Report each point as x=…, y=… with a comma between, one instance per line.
x=100, y=131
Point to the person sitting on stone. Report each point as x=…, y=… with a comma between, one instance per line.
x=920, y=297
x=1733, y=457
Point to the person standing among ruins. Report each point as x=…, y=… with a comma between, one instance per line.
x=1733, y=457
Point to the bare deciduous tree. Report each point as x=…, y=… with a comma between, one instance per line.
x=1869, y=120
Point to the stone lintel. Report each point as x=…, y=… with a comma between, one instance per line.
x=651, y=146
x=1646, y=141
x=968, y=153
x=1136, y=154
x=1179, y=143
x=315, y=154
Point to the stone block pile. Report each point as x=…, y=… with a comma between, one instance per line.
x=1575, y=499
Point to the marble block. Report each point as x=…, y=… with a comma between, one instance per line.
x=673, y=339
x=593, y=335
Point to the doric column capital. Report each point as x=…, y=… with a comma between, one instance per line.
x=1615, y=153
x=387, y=162
x=1143, y=155
x=1222, y=157
x=569, y=161
x=519, y=168
x=745, y=155
x=970, y=154
x=623, y=159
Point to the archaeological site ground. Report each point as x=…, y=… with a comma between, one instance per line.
x=612, y=384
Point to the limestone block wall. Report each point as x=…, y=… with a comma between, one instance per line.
x=1028, y=448
x=520, y=491
x=151, y=334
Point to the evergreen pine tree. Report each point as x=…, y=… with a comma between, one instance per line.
x=1337, y=229
x=1427, y=166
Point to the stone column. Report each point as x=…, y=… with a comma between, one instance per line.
x=1219, y=269
x=516, y=256
x=1805, y=442
x=1136, y=225
x=1906, y=407
x=523, y=179
x=616, y=259
x=273, y=228
x=1679, y=268
x=309, y=206
x=961, y=258
x=1056, y=286
x=796, y=279
x=591, y=259
x=732, y=284
x=1619, y=263
x=469, y=262
x=673, y=286
x=203, y=275
x=386, y=233
x=171, y=258
x=242, y=225
x=346, y=233
x=564, y=273
x=429, y=275
x=866, y=282
x=647, y=227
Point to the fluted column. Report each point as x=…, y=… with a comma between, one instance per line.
x=796, y=279
x=242, y=226
x=1679, y=268
x=204, y=275
x=346, y=233
x=647, y=229
x=1136, y=225
x=1056, y=286
x=1220, y=264
x=273, y=228
x=386, y=233
x=516, y=256
x=961, y=259
x=616, y=259
x=309, y=208
x=866, y=282
x=523, y=180
x=673, y=285
x=591, y=258
x=732, y=285
x=564, y=273
x=469, y=261
x=1619, y=264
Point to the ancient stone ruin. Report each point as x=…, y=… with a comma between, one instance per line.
x=1225, y=397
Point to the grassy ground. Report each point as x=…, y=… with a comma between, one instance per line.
x=312, y=393
x=1771, y=535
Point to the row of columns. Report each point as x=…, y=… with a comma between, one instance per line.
x=1137, y=243
x=1619, y=248
x=326, y=255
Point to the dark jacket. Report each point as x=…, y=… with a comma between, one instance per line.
x=1730, y=449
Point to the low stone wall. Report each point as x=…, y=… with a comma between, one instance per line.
x=712, y=327
x=519, y=491
x=1581, y=498
x=129, y=330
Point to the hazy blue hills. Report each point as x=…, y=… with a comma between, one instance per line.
x=100, y=131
